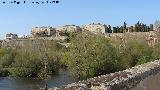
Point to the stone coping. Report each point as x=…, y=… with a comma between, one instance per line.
x=122, y=80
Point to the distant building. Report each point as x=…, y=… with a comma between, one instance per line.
x=95, y=28
x=24, y=36
x=43, y=31
x=69, y=28
x=11, y=36
x=152, y=39
x=130, y=29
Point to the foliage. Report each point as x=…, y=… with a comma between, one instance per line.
x=70, y=36
x=31, y=58
x=156, y=51
x=133, y=51
x=26, y=64
x=6, y=59
x=90, y=55
x=3, y=72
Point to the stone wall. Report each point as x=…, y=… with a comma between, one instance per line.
x=123, y=80
x=150, y=83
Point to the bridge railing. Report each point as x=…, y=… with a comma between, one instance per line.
x=122, y=80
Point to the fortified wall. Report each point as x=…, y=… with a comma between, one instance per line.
x=136, y=78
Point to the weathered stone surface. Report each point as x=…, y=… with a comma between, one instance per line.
x=123, y=80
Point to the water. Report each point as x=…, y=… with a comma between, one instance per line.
x=62, y=78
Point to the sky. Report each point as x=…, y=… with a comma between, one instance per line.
x=22, y=17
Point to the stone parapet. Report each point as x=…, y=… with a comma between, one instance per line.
x=122, y=80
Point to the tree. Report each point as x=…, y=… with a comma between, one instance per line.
x=125, y=25
x=6, y=59
x=36, y=58
x=91, y=55
x=27, y=63
x=136, y=52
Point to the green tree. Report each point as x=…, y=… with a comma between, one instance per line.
x=37, y=58
x=27, y=64
x=6, y=59
x=136, y=52
x=91, y=55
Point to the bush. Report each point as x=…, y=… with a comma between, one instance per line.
x=6, y=59
x=91, y=55
x=156, y=51
x=37, y=58
x=4, y=72
x=136, y=52
x=27, y=64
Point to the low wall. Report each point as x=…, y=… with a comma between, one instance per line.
x=150, y=83
x=129, y=79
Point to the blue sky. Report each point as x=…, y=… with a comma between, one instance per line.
x=21, y=18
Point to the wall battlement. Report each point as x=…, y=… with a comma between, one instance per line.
x=122, y=80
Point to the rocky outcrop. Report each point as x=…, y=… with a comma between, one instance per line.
x=123, y=80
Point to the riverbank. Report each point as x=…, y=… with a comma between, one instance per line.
x=10, y=83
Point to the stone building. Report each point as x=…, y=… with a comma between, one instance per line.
x=11, y=36
x=152, y=39
x=43, y=31
x=95, y=28
x=130, y=29
x=67, y=28
x=25, y=36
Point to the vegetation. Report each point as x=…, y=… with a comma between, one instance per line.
x=136, y=52
x=88, y=55
x=91, y=55
x=138, y=27
x=34, y=59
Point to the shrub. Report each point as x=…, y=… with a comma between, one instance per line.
x=27, y=64
x=37, y=58
x=91, y=55
x=136, y=52
x=6, y=59
x=156, y=51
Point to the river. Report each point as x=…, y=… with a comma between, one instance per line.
x=8, y=83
